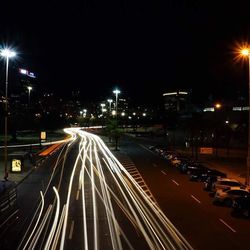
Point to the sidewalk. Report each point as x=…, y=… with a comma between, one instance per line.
x=29, y=164
x=16, y=177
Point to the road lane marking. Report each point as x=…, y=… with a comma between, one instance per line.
x=195, y=199
x=176, y=183
x=71, y=229
x=163, y=172
x=77, y=195
x=222, y=221
x=147, y=149
x=155, y=165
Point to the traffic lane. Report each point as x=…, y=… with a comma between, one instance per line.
x=28, y=198
x=187, y=214
x=196, y=189
x=74, y=233
x=179, y=205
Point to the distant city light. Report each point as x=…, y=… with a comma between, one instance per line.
x=176, y=93
x=27, y=73
x=123, y=113
x=240, y=108
x=113, y=112
x=23, y=71
x=227, y=122
x=218, y=105
x=144, y=114
x=208, y=109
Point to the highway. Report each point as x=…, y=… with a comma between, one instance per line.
x=86, y=199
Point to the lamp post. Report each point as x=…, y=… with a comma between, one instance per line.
x=29, y=90
x=110, y=102
x=245, y=52
x=116, y=92
x=217, y=107
x=7, y=54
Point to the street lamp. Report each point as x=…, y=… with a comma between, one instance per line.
x=29, y=90
x=110, y=102
x=217, y=105
x=7, y=54
x=245, y=52
x=116, y=92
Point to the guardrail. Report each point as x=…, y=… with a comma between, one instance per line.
x=8, y=205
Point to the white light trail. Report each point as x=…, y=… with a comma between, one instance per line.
x=53, y=229
x=38, y=219
x=104, y=182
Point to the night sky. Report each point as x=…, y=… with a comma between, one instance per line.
x=143, y=47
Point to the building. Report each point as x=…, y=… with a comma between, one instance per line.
x=177, y=102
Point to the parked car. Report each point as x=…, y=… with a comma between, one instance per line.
x=158, y=148
x=183, y=166
x=198, y=174
x=241, y=206
x=223, y=183
x=187, y=166
x=228, y=195
x=212, y=176
x=175, y=161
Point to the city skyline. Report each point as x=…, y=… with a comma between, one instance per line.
x=142, y=48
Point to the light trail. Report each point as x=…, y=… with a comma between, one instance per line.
x=107, y=192
x=53, y=229
x=38, y=219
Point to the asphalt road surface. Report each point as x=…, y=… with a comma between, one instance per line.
x=185, y=203
x=81, y=197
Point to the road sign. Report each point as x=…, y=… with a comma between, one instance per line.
x=16, y=165
x=43, y=136
x=207, y=151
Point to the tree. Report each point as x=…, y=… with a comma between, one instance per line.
x=113, y=132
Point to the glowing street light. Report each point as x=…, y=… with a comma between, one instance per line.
x=116, y=92
x=245, y=53
x=110, y=102
x=7, y=54
x=217, y=105
x=29, y=90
